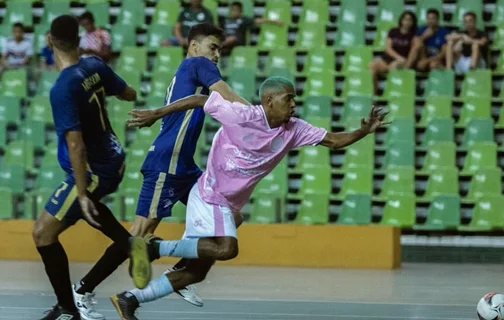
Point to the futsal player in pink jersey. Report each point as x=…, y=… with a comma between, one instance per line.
x=250, y=143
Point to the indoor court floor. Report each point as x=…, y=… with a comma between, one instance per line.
x=417, y=291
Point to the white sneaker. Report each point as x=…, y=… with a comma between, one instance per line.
x=85, y=304
x=189, y=294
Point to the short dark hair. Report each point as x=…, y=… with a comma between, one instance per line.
x=65, y=32
x=470, y=13
x=18, y=25
x=87, y=16
x=237, y=4
x=274, y=85
x=433, y=11
x=204, y=30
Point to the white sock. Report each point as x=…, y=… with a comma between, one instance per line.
x=156, y=289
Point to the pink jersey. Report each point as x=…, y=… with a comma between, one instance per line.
x=246, y=149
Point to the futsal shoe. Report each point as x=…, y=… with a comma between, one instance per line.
x=58, y=313
x=126, y=305
x=85, y=304
x=140, y=266
x=152, y=246
x=188, y=293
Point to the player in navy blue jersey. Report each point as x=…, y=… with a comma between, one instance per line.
x=169, y=170
x=92, y=157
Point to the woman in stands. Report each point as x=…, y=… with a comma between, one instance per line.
x=400, y=47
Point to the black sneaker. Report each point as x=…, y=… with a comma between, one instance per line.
x=140, y=265
x=152, y=246
x=126, y=305
x=58, y=313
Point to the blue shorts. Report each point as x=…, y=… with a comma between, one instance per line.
x=160, y=191
x=64, y=205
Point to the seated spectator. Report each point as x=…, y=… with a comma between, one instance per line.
x=469, y=49
x=398, y=48
x=190, y=16
x=432, y=43
x=16, y=50
x=94, y=41
x=47, y=58
x=237, y=25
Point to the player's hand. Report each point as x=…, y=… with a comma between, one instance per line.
x=142, y=118
x=89, y=211
x=429, y=32
x=374, y=120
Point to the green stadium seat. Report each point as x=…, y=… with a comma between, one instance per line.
x=487, y=215
x=282, y=58
x=401, y=130
x=499, y=69
x=129, y=201
x=18, y=11
x=357, y=59
x=382, y=30
x=14, y=83
x=100, y=11
x=132, y=78
x=282, y=72
x=49, y=177
x=313, y=156
x=314, y=209
x=464, y=6
x=132, y=177
x=119, y=127
x=156, y=35
x=356, y=210
x=275, y=183
x=154, y=102
x=311, y=36
x=132, y=13
x=243, y=57
x=398, y=180
x=5, y=33
x=477, y=83
x=439, y=155
x=498, y=41
x=51, y=154
x=46, y=82
x=498, y=13
x=401, y=107
x=485, y=182
x=315, y=180
x=349, y=35
x=356, y=107
x=40, y=37
x=166, y=12
x=138, y=150
x=319, y=84
x=439, y=130
x=54, y=9
x=8, y=209
x=133, y=59
x=266, y=209
x=442, y=181
x=159, y=83
x=352, y=12
x=3, y=135
x=399, y=211
x=20, y=152
x=123, y=35
x=358, y=84
x=423, y=6
x=178, y=213
x=272, y=37
x=10, y=109
x=474, y=108
x=436, y=107
x=34, y=133
x=389, y=10
x=317, y=106
x=35, y=202
x=212, y=6
x=118, y=110
x=320, y=60
x=314, y=12
x=12, y=176
x=443, y=214
x=320, y=122
x=356, y=181
x=478, y=130
x=400, y=83
x=148, y=135
x=399, y=153
x=248, y=7
x=278, y=10
x=500, y=122
x=440, y=83
x=168, y=59
x=243, y=82
x=359, y=155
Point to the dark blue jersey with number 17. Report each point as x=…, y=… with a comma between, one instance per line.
x=78, y=104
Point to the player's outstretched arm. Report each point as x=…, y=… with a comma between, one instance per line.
x=368, y=126
x=129, y=94
x=146, y=118
x=227, y=93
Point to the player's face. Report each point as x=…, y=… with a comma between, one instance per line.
x=88, y=25
x=209, y=47
x=235, y=12
x=469, y=23
x=18, y=33
x=432, y=20
x=283, y=104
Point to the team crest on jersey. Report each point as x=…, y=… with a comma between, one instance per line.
x=276, y=144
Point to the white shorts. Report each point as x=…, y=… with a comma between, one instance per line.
x=463, y=65
x=204, y=220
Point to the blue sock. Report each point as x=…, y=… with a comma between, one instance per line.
x=156, y=289
x=187, y=248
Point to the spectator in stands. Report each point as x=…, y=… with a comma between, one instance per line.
x=432, y=43
x=47, y=58
x=398, y=48
x=190, y=16
x=17, y=50
x=94, y=41
x=469, y=49
x=237, y=25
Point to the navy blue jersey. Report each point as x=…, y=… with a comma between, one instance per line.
x=78, y=104
x=173, y=150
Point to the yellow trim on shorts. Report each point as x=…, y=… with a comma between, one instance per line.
x=95, y=180
x=157, y=195
x=72, y=196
